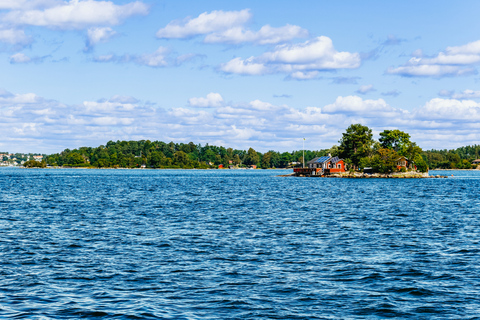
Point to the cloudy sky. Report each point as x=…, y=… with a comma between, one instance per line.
x=262, y=74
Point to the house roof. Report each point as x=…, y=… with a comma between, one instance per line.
x=335, y=159
x=324, y=159
x=319, y=160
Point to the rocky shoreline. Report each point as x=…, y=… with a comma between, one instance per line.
x=361, y=175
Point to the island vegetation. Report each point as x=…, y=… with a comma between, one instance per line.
x=356, y=146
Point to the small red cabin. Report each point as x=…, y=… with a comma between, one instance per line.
x=322, y=166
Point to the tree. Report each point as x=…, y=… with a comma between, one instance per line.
x=420, y=163
x=180, y=158
x=266, y=160
x=252, y=157
x=383, y=161
x=396, y=140
x=356, y=144
x=155, y=159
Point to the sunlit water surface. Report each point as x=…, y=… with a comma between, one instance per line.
x=237, y=244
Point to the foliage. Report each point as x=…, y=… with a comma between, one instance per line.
x=383, y=161
x=356, y=143
x=460, y=158
x=396, y=140
x=34, y=164
x=158, y=154
x=420, y=163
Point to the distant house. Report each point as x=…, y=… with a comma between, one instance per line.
x=403, y=162
x=476, y=162
x=220, y=166
x=322, y=166
x=38, y=158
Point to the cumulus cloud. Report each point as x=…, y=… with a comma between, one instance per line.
x=74, y=14
x=266, y=35
x=245, y=67
x=450, y=110
x=454, y=61
x=354, y=105
x=229, y=27
x=212, y=100
x=41, y=125
x=27, y=4
x=14, y=37
x=156, y=59
x=299, y=61
x=99, y=35
x=214, y=21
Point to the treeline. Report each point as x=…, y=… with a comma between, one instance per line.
x=460, y=158
x=157, y=154
x=356, y=146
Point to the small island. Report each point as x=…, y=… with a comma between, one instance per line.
x=360, y=156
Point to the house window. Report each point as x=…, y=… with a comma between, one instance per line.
x=339, y=166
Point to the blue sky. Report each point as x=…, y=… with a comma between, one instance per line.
x=262, y=74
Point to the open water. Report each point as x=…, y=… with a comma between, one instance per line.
x=237, y=244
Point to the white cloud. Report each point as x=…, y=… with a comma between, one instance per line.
x=99, y=35
x=212, y=100
x=266, y=35
x=356, y=105
x=228, y=27
x=450, y=110
x=76, y=14
x=14, y=37
x=214, y=21
x=37, y=124
x=467, y=94
x=455, y=61
x=302, y=75
x=246, y=67
x=156, y=59
x=300, y=61
x=27, y=4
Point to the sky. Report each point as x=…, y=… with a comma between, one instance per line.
x=240, y=74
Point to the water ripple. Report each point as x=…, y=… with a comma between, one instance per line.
x=209, y=244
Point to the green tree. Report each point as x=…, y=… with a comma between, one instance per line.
x=395, y=139
x=266, y=160
x=420, y=163
x=356, y=144
x=383, y=161
x=181, y=159
x=252, y=157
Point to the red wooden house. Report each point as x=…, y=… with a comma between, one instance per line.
x=322, y=166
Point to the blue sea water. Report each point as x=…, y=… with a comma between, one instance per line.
x=237, y=244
